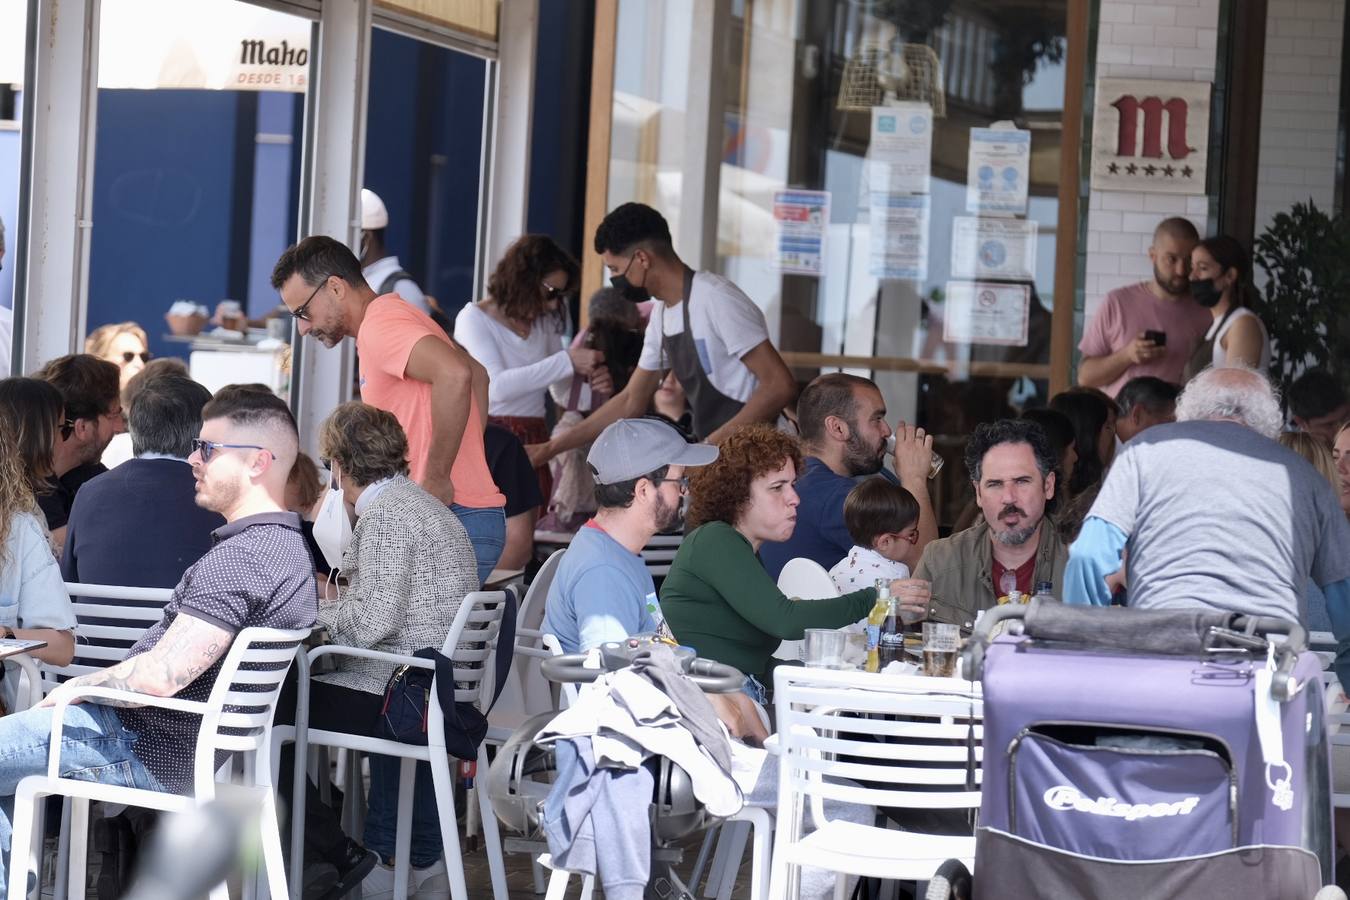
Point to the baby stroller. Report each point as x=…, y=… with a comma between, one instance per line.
x=1149, y=753
x=522, y=774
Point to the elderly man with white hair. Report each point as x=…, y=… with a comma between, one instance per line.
x=1215, y=514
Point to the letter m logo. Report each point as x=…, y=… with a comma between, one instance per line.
x=251, y=52
x=1152, y=109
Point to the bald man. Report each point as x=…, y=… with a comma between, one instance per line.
x=258, y=573
x=1150, y=327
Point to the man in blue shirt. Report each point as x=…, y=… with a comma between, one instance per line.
x=842, y=420
x=602, y=590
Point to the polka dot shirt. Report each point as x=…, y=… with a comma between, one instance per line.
x=257, y=573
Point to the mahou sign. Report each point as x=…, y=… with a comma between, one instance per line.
x=1150, y=136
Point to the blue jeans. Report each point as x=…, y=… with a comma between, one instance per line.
x=487, y=532
x=94, y=747
x=382, y=813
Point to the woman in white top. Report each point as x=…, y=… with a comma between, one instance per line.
x=519, y=334
x=1219, y=279
x=33, y=600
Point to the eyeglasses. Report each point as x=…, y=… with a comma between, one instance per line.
x=208, y=448
x=67, y=428
x=128, y=356
x=302, y=311
x=682, y=481
x=555, y=293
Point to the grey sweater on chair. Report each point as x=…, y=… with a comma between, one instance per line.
x=408, y=567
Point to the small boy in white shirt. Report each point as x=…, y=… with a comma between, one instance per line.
x=882, y=518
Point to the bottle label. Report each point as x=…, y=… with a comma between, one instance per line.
x=873, y=636
x=893, y=639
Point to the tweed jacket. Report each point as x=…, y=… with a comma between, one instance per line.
x=408, y=567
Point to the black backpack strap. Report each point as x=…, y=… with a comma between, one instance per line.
x=506, y=651
x=394, y=278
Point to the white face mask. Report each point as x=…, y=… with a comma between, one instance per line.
x=332, y=528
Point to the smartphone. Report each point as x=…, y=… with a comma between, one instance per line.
x=1157, y=337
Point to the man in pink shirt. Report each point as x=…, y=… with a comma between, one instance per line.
x=1148, y=328
x=410, y=367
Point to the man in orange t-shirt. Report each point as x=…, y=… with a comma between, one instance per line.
x=410, y=367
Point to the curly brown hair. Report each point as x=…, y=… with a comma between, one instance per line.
x=719, y=491
x=364, y=443
x=517, y=283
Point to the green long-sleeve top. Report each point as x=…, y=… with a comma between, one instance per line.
x=719, y=600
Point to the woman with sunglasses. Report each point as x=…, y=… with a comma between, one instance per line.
x=123, y=344
x=518, y=333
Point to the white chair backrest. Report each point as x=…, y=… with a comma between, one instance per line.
x=803, y=578
x=567, y=692
x=806, y=579
x=109, y=619
x=531, y=613
x=659, y=553
x=243, y=699
x=471, y=645
x=917, y=753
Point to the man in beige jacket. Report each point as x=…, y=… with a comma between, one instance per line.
x=1011, y=466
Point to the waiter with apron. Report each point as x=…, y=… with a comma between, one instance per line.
x=702, y=327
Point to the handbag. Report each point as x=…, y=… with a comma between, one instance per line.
x=407, y=696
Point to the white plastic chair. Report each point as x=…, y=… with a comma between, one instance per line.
x=237, y=717
x=825, y=716
x=471, y=645
x=803, y=578
x=117, y=617
x=526, y=692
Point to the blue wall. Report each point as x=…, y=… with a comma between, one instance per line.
x=164, y=187
x=423, y=147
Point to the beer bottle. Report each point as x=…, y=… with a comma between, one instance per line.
x=875, y=617
x=892, y=644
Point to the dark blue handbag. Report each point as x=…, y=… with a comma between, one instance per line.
x=407, y=696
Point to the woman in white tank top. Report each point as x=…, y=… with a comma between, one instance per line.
x=1219, y=274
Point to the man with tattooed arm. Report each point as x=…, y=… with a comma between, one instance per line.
x=257, y=573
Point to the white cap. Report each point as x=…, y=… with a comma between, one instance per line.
x=373, y=213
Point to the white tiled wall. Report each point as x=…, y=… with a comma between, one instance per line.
x=1159, y=39
x=1300, y=106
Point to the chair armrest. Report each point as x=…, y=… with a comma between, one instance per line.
x=363, y=653
x=529, y=633
x=193, y=707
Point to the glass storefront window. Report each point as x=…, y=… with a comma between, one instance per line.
x=13, y=28
x=888, y=187
x=197, y=179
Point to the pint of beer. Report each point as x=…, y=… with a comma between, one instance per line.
x=940, y=642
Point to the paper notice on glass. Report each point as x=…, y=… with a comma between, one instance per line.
x=997, y=171
x=802, y=218
x=901, y=152
x=994, y=248
x=978, y=312
x=899, y=236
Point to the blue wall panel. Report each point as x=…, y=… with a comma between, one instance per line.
x=163, y=198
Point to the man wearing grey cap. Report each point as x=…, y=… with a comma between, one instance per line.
x=602, y=591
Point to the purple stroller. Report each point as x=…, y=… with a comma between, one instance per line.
x=1149, y=754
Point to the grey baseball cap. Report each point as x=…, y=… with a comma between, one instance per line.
x=630, y=448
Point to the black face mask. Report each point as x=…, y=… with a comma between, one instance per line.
x=630, y=291
x=1205, y=293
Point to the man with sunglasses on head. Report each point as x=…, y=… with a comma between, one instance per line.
x=410, y=367
x=91, y=391
x=702, y=327
x=602, y=590
x=258, y=573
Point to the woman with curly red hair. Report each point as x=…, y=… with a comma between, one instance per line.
x=519, y=335
x=718, y=598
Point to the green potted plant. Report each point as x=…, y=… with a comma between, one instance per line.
x=1305, y=255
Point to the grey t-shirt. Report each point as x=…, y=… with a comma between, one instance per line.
x=1219, y=516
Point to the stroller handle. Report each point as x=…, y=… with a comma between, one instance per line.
x=711, y=677
x=1168, y=632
